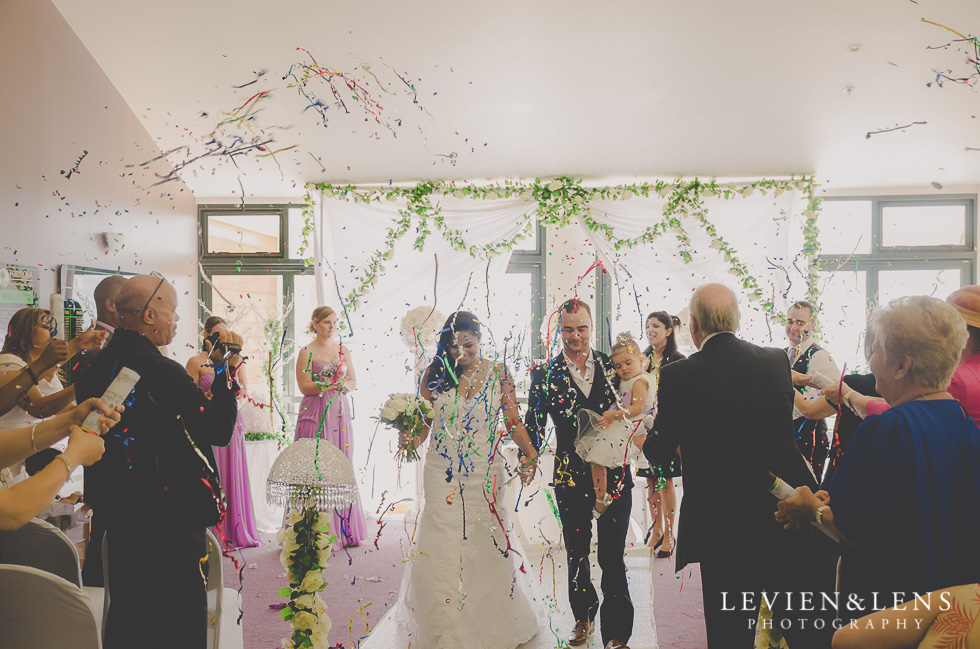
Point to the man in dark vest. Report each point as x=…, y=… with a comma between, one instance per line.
x=577, y=379
x=807, y=359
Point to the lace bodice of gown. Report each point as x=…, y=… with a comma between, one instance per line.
x=462, y=432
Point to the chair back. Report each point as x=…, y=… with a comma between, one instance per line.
x=215, y=582
x=42, y=610
x=216, y=576
x=41, y=545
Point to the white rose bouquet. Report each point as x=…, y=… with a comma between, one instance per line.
x=406, y=413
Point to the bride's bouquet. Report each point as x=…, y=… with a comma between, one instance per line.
x=406, y=413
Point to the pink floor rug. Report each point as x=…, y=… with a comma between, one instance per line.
x=677, y=605
x=362, y=583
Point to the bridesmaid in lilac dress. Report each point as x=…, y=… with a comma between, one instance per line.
x=237, y=529
x=325, y=375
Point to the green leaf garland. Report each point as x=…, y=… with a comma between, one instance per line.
x=562, y=202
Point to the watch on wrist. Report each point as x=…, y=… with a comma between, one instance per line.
x=818, y=515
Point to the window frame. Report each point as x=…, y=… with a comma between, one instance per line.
x=883, y=258
x=223, y=263
x=533, y=262
x=204, y=211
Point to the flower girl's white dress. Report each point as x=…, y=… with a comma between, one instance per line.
x=463, y=587
x=611, y=447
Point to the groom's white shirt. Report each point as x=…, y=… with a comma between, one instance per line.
x=583, y=381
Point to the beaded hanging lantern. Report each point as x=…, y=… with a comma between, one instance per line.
x=312, y=473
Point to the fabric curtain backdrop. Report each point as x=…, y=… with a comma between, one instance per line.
x=350, y=232
x=766, y=232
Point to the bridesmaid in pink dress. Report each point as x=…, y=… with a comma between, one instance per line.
x=325, y=375
x=237, y=530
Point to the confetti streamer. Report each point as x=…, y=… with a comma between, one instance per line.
x=889, y=130
x=74, y=169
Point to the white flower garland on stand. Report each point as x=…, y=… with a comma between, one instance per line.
x=306, y=542
x=420, y=327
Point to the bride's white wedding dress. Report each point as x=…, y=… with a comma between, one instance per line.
x=463, y=587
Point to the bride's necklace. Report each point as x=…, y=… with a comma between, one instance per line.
x=473, y=379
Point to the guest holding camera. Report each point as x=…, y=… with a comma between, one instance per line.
x=156, y=485
x=237, y=529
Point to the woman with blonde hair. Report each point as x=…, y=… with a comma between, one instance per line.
x=325, y=374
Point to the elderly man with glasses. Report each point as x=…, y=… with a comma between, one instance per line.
x=156, y=488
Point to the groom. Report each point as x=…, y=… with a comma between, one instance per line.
x=575, y=380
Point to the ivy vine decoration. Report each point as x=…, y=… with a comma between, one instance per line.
x=306, y=542
x=565, y=201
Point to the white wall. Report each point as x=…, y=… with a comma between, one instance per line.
x=58, y=103
x=569, y=255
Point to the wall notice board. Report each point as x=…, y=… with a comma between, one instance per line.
x=19, y=287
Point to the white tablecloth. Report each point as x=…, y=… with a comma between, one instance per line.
x=260, y=455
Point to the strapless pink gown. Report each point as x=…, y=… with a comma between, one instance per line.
x=329, y=413
x=237, y=530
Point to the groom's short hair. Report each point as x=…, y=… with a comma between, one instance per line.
x=574, y=304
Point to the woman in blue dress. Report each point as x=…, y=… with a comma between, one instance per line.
x=906, y=496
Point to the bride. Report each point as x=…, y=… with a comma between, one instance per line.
x=468, y=584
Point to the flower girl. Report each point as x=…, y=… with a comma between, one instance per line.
x=612, y=439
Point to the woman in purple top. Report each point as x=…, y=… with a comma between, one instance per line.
x=325, y=375
x=237, y=528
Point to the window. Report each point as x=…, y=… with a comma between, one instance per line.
x=250, y=273
x=876, y=249
x=519, y=301
x=238, y=233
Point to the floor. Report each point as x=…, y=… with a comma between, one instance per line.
x=363, y=583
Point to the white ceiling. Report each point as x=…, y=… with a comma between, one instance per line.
x=620, y=90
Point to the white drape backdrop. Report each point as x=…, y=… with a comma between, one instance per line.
x=349, y=233
x=764, y=230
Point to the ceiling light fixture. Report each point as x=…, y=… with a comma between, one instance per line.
x=854, y=47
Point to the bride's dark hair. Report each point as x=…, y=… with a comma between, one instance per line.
x=439, y=378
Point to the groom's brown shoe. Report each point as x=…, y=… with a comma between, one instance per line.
x=581, y=633
x=615, y=644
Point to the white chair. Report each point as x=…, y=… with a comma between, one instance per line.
x=223, y=603
x=41, y=545
x=42, y=610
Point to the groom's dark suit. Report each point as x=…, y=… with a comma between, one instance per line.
x=730, y=409
x=554, y=392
